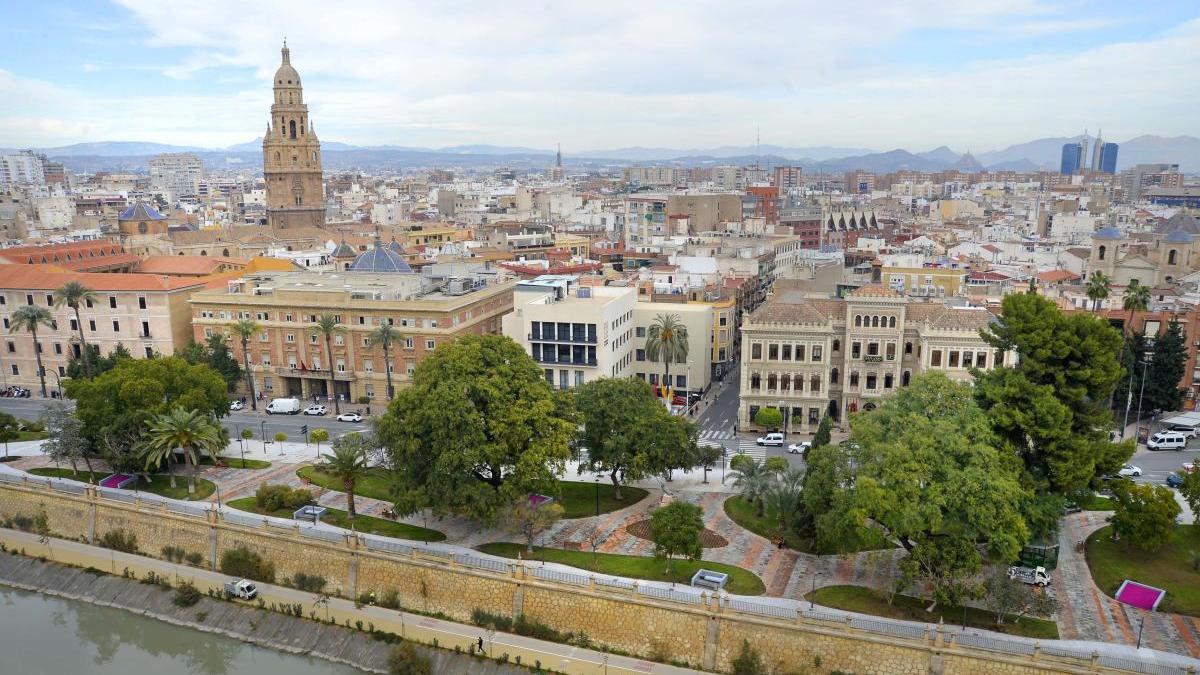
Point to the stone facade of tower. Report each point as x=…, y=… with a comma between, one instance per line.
x=292, y=156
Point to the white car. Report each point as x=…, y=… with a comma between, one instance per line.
x=1129, y=471
x=774, y=438
x=236, y=405
x=349, y=417
x=799, y=448
x=315, y=410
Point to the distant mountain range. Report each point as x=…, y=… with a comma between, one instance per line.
x=1042, y=153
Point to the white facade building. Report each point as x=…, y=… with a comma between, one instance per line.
x=175, y=175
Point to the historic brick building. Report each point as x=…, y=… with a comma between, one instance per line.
x=292, y=156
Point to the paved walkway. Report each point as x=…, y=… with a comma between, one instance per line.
x=1086, y=613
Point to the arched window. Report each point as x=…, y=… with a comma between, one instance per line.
x=837, y=345
x=755, y=381
x=225, y=252
x=785, y=383
x=905, y=378
x=833, y=376
x=1171, y=257
x=292, y=128
x=887, y=381
x=203, y=252
x=1100, y=255
x=891, y=322
x=858, y=320
x=277, y=156
x=814, y=384
x=875, y=322
x=799, y=381
x=314, y=155
x=772, y=382
x=142, y=228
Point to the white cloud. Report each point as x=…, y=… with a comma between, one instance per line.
x=618, y=73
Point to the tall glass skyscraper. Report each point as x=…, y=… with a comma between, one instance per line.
x=1072, y=158
x=1108, y=157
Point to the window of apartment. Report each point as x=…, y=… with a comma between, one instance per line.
x=290, y=337
x=814, y=384
x=145, y=329
x=935, y=358
x=57, y=348
x=28, y=299
x=872, y=349
x=773, y=352
x=265, y=358
x=15, y=370
x=756, y=351
x=4, y=301
x=786, y=352
x=430, y=344
x=50, y=302
x=641, y=355
x=953, y=359
x=772, y=381
x=722, y=321
x=833, y=376
x=888, y=381
x=341, y=366
x=12, y=347
x=578, y=378
x=755, y=381
x=854, y=378
x=339, y=340
x=112, y=302
x=287, y=317
x=681, y=381
x=564, y=379
x=907, y=347
x=816, y=353
x=141, y=302
x=891, y=351
x=408, y=343
x=855, y=350
x=837, y=347
x=149, y=352
x=409, y=369
x=6, y=324
x=92, y=325
x=116, y=326
x=998, y=359
x=369, y=366
x=872, y=380
x=262, y=336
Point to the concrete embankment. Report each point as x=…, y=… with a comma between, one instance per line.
x=239, y=621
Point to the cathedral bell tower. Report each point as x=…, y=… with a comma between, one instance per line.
x=292, y=156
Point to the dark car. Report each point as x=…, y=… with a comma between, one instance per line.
x=1175, y=480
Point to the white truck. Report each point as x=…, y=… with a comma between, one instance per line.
x=241, y=589
x=1035, y=576
x=283, y=406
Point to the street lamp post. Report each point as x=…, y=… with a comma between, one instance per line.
x=784, y=414
x=264, y=436
x=1141, y=392
x=596, y=485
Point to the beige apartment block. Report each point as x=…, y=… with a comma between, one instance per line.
x=576, y=333
x=815, y=356
x=147, y=313
x=286, y=357
x=694, y=374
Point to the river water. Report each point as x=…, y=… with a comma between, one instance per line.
x=45, y=635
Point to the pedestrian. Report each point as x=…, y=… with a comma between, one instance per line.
x=481, y=643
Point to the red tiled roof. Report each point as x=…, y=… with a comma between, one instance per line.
x=45, y=277
x=186, y=264
x=1057, y=276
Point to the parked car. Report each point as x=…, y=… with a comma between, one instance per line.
x=1129, y=471
x=350, y=417
x=1175, y=480
x=236, y=405
x=1188, y=431
x=1035, y=576
x=799, y=448
x=773, y=438
x=241, y=589
x=315, y=410
x=283, y=406
x=1191, y=466
x=1167, y=440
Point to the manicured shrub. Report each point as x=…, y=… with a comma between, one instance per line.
x=242, y=562
x=276, y=497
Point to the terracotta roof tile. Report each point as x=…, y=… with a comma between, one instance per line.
x=42, y=277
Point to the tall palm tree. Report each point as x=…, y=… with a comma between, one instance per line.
x=1097, y=289
x=327, y=326
x=347, y=463
x=383, y=337
x=1136, y=299
x=752, y=477
x=191, y=431
x=29, y=317
x=72, y=294
x=245, y=329
x=667, y=341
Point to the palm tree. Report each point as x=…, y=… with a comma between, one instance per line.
x=72, y=294
x=383, y=337
x=347, y=463
x=1097, y=289
x=667, y=341
x=752, y=477
x=191, y=431
x=327, y=325
x=245, y=329
x=1136, y=299
x=29, y=318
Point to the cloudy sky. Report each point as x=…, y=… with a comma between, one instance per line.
x=975, y=75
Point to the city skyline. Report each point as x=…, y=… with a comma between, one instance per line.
x=974, y=78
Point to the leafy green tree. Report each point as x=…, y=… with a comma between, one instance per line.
x=193, y=432
x=280, y=437
x=245, y=329
x=1006, y=597
x=628, y=433
x=767, y=418
x=478, y=429
x=783, y=499
x=28, y=318
x=383, y=337
x=1145, y=514
x=10, y=430
x=675, y=530
x=116, y=406
x=72, y=294
x=318, y=436
x=348, y=464
x=327, y=326
x=708, y=457
x=529, y=519
x=97, y=364
x=775, y=465
x=1098, y=288
x=825, y=516
x=929, y=475
x=215, y=353
x=1049, y=409
x=1166, y=368
x=65, y=440
x=824, y=432
x=667, y=343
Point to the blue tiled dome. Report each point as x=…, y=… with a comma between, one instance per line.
x=1180, y=237
x=1108, y=233
x=380, y=259
x=140, y=210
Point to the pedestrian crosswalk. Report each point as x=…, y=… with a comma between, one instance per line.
x=716, y=435
x=752, y=449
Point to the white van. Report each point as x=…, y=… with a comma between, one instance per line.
x=774, y=438
x=1167, y=440
x=283, y=406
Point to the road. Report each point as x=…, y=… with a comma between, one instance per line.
x=717, y=421
x=31, y=408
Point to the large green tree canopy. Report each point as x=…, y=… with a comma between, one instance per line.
x=1050, y=409
x=478, y=428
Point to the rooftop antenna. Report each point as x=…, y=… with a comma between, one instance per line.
x=558, y=156
x=757, y=145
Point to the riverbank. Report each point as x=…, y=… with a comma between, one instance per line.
x=246, y=623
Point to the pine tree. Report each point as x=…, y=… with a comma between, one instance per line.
x=1166, y=370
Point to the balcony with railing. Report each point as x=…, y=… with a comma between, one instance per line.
x=314, y=373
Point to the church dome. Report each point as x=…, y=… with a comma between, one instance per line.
x=140, y=210
x=286, y=75
x=1180, y=237
x=343, y=250
x=380, y=259
x=395, y=246
x=1108, y=233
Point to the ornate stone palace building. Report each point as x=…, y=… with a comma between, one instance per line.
x=292, y=156
x=810, y=356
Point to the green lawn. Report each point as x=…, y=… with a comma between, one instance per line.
x=338, y=517
x=870, y=601
x=744, y=513
x=160, y=484
x=741, y=582
x=1169, y=568
x=1094, y=502
x=578, y=499
x=30, y=436
x=238, y=462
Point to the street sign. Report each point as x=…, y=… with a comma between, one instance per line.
x=304, y=429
